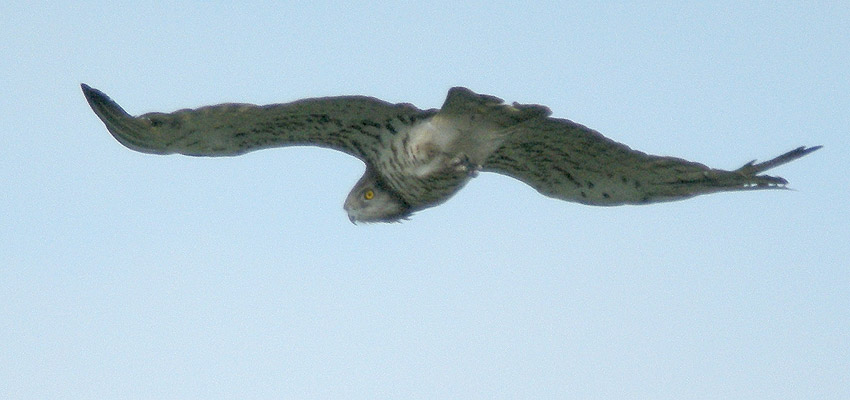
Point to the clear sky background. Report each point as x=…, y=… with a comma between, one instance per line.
x=133, y=276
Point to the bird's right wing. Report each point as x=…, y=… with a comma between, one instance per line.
x=357, y=125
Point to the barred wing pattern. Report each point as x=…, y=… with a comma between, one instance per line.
x=417, y=159
x=568, y=161
x=357, y=125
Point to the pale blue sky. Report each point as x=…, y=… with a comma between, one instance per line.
x=126, y=275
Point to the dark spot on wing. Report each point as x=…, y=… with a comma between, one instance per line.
x=368, y=122
x=389, y=126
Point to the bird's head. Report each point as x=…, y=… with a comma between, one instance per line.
x=372, y=201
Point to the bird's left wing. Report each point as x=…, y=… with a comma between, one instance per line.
x=357, y=125
x=568, y=161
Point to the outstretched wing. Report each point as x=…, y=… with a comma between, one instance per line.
x=571, y=162
x=357, y=125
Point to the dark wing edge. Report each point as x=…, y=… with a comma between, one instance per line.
x=133, y=133
x=568, y=161
x=356, y=125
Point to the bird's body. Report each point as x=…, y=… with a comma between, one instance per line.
x=417, y=159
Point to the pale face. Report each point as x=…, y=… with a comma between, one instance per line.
x=371, y=201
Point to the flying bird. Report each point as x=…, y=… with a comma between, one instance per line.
x=416, y=159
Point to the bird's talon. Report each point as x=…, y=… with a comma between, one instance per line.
x=462, y=164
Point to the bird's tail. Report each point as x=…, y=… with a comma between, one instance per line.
x=462, y=101
x=484, y=121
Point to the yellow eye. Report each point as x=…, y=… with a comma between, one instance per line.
x=368, y=195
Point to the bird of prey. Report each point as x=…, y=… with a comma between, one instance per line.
x=416, y=159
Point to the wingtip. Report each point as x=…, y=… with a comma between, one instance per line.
x=102, y=105
x=797, y=153
x=129, y=131
x=90, y=92
x=95, y=97
x=782, y=159
x=803, y=150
